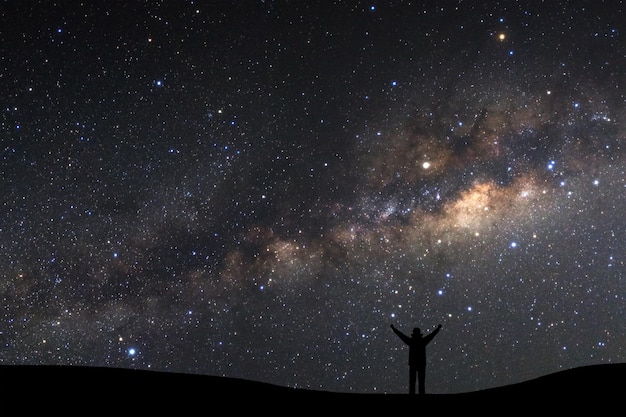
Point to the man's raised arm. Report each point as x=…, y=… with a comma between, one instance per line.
x=432, y=334
x=401, y=335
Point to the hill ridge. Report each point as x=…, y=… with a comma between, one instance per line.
x=90, y=390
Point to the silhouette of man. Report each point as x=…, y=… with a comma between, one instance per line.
x=417, y=355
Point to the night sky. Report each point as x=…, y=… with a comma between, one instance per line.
x=258, y=189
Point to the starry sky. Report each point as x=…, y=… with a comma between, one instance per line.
x=258, y=189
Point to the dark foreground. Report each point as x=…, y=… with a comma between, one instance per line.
x=48, y=390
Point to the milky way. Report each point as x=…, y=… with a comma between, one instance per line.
x=259, y=189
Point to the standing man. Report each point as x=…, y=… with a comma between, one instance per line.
x=417, y=355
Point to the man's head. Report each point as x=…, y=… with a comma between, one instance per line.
x=417, y=331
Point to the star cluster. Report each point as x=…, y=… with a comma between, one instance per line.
x=258, y=189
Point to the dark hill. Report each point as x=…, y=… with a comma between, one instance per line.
x=88, y=391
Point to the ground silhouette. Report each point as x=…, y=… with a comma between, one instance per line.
x=87, y=391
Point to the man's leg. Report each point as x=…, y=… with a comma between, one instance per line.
x=421, y=375
x=412, y=380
